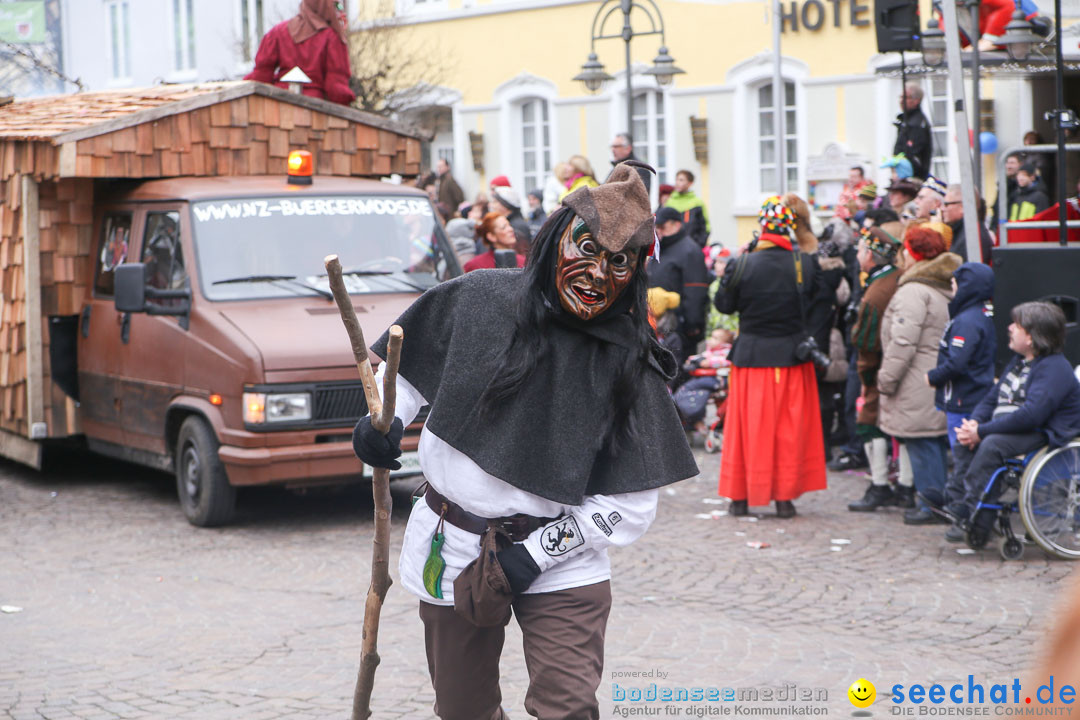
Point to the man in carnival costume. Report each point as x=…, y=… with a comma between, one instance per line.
x=549, y=433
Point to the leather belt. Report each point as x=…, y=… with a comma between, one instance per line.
x=517, y=527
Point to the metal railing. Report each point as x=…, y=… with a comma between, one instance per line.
x=1003, y=194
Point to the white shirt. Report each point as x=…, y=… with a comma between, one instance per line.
x=571, y=552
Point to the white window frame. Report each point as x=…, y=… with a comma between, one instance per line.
x=645, y=149
x=746, y=77
x=257, y=27
x=184, y=38
x=791, y=160
x=509, y=98
x=540, y=150
x=119, y=48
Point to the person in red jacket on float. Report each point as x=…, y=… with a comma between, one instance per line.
x=313, y=40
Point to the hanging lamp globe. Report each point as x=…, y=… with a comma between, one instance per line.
x=664, y=69
x=592, y=74
x=933, y=44
x=1019, y=38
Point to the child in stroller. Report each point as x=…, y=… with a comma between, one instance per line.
x=707, y=383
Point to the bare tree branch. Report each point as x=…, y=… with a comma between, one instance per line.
x=391, y=72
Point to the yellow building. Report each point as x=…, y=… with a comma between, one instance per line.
x=505, y=102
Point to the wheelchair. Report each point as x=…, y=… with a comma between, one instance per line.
x=1044, y=488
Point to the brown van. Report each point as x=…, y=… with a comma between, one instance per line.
x=211, y=346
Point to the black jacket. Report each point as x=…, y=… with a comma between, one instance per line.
x=766, y=296
x=1011, y=187
x=1027, y=201
x=959, y=242
x=521, y=231
x=682, y=270
x=913, y=138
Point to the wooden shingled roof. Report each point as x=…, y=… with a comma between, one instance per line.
x=228, y=128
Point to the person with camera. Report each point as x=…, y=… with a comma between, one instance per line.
x=773, y=446
x=911, y=330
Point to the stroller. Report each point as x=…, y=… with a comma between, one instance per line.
x=705, y=385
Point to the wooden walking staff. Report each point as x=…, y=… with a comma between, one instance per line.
x=382, y=415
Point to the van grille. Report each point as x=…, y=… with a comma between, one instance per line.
x=344, y=404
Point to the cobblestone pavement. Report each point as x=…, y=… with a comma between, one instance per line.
x=129, y=612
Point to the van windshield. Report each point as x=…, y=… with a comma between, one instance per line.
x=274, y=246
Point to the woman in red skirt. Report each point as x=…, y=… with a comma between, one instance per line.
x=773, y=448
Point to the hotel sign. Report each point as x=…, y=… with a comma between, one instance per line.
x=813, y=14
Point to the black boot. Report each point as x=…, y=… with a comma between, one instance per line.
x=785, y=509
x=876, y=496
x=738, y=508
x=923, y=516
x=905, y=496
x=847, y=461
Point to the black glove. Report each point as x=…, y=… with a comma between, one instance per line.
x=376, y=449
x=519, y=567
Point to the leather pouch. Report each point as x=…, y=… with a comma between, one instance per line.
x=481, y=592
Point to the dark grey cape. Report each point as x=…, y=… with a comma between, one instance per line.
x=548, y=439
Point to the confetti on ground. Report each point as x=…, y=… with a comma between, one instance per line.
x=840, y=541
x=965, y=551
x=9, y=609
x=757, y=545
x=718, y=513
x=713, y=501
x=780, y=531
x=751, y=518
x=703, y=516
x=740, y=533
x=835, y=548
x=671, y=491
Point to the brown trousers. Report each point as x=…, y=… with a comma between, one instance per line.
x=564, y=653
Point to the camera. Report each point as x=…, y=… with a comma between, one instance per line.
x=807, y=349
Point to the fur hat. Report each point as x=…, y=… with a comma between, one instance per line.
x=618, y=212
x=507, y=196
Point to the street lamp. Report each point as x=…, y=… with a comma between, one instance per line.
x=933, y=44
x=592, y=72
x=1019, y=38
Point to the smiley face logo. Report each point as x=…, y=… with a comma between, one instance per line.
x=861, y=693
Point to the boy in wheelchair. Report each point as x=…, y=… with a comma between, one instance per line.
x=1036, y=401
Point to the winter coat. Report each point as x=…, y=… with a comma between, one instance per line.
x=766, y=297
x=681, y=270
x=695, y=219
x=965, y=364
x=910, y=332
x=1027, y=202
x=1051, y=405
x=450, y=193
x=323, y=58
x=866, y=336
x=913, y=138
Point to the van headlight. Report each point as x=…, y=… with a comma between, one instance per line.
x=266, y=408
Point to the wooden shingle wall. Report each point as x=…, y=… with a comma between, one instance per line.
x=247, y=136
x=12, y=308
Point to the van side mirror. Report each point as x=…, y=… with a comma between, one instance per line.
x=129, y=287
x=131, y=294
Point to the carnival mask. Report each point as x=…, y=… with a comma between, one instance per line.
x=589, y=278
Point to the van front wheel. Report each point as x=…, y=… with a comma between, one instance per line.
x=206, y=497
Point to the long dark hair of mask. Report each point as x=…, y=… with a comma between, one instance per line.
x=537, y=305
